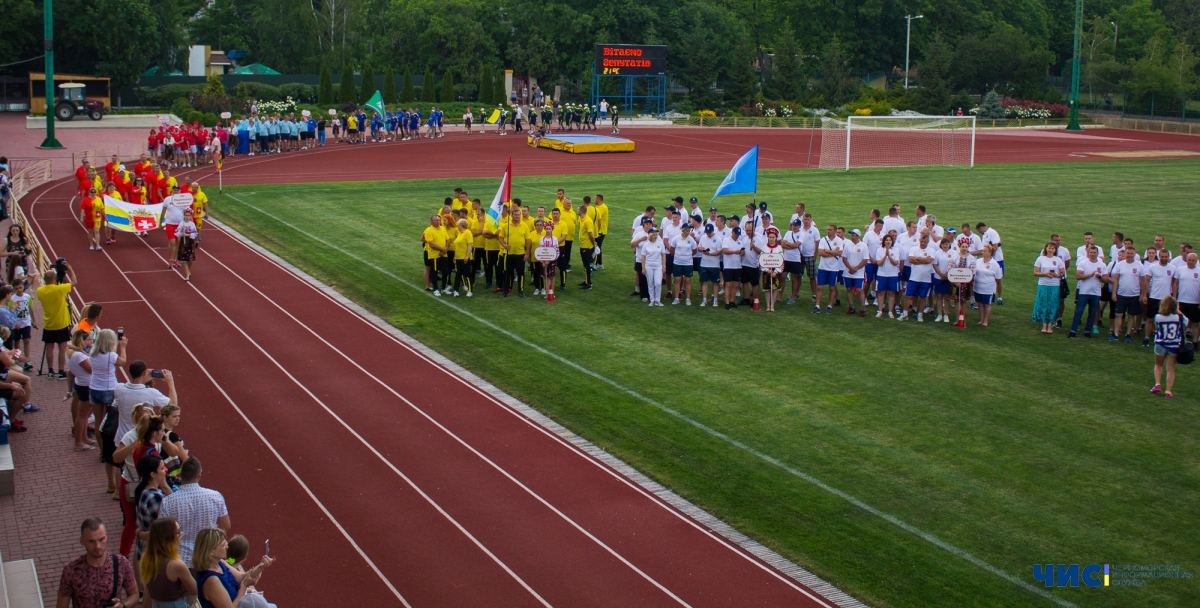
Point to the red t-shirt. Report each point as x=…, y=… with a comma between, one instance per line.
x=81, y=175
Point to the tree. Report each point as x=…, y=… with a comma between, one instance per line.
x=934, y=70
x=123, y=62
x=368, y=84
x=698, y=72
x=347, y=92
x=836, y=85
x=389, y=86
x=214, y=86
x=407, y=95
x=991, y=106
x=325, y=89
x=499, y=95
x=1162, y=72
x=786, y=73
x=741, y=81
x=447, y=95
x=428, y=93
x=485, y=84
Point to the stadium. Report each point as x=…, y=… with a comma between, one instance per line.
x=424, y=364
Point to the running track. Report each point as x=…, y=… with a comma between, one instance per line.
x=382, y=478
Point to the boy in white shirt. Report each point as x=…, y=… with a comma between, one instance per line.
x=989, y=236
x=710, y=263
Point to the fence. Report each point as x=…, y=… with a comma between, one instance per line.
x=1156, y=126
x=796, y=122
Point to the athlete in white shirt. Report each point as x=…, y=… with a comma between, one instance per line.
x=1081, y=251
x=829, y=269
x=710, y=263
x=887, y=279
x=653, y=257
x=989, y=236
x=1127, y=293
x=1089, y=273
x=1189, y=293
x=854, y=262
x=682, y=248
x=920, y=278
x=1064, y=255
x=942, y=262
x=732, y=250
x=1160, y=279
x=872, y=238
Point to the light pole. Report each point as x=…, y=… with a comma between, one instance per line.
x=1114, y=24
x=1073, y=117
x=48, y=25
x=908, y=44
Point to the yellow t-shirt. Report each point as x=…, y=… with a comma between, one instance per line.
x=352, y=122
x=55, y=313
x=171, y=183
x=473, y=226
x=569, y=220
x=528, y=223
x=461, y=244
x=457, y=204
x=515, y=235
x=586, y=226
x=199, y=200
x=114, y=195
x=560, y=232
x=490, y=243
x=434, y=236
x=558, y=204
x=601, y=219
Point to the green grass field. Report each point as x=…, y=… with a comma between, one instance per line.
x=1012, y=446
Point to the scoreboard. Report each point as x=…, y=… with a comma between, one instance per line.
x=631, y=59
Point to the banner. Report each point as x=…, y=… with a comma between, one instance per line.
x=494, y=117
x=743, y=177
x=503, y=194
x=128, y=217
x=376, y=103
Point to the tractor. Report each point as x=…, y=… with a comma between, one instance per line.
x=72, y=101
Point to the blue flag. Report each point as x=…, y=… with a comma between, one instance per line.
x=743, y=177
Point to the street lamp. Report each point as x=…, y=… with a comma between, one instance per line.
x=1114, y=24
x=908, y=44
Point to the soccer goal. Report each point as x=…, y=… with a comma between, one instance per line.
x=897, y=141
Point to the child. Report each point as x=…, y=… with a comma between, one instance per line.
x=235, y=554
x=20, y=306
x=1168, y=336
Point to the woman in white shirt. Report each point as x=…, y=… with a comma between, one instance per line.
x=108, y=353
x=987, y=271
x=81, y=371
x=887, y=278
x=942, y=259
x=1049, y=269
x=653, y=257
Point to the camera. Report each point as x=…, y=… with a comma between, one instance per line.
x=156, y=373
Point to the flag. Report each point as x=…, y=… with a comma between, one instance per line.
x=128, y=217
x=503, y=195
x=743, y=177
x=220, y=158
x=494, y=117
x=376, y=103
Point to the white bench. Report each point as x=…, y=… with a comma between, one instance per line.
x=21, y=588
x=8, y=485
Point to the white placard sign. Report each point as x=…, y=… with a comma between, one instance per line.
x=545, y=254
x=770, y=261
x=960, y=275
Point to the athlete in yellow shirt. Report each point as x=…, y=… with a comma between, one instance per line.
x=560, y=202
x=199, y=205
x=435, y=243
x=513, y=237
x=587, y=240
x=570, y=221
x=463, y=244
x=601, y=228
x=491, y=250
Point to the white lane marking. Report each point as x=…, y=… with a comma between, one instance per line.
x=238, y=409
x=699, y=425
x=447, y=431
x=755, y=548
x=360, y=438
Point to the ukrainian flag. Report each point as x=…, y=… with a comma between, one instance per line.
x=494, y=117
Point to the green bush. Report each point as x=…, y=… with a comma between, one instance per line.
x=193, y=116
x=165, y=95
x=301, y=93
x=209, y=119
x=962, y=100
x=181, y=107
x=262, y=92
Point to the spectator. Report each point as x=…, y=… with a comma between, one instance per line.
x=235, y=556
x=16, y=251
x=23, y=332
x=166, y=577
x=194, y=507
x=56, y=319
x=141, y=443
x=147, y=499
x=90, y=319
x=219, y=585
x=96, y=578
x=102, y=386
x=14, y=389
x=172, y=444
x=80, y=366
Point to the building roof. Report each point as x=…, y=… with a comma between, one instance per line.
x=218, y=58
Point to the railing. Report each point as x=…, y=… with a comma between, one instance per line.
x=795, y=122
x=1156, y=126
x=97, y=156
x=34, y=174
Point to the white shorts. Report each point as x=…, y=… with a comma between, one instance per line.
x=193, y=149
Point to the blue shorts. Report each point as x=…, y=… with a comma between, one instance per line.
x=983, y=298
x=871, y=270
x=101, y=397
x=679, y=270
x=919, y=290
x=709, y=275
x=905, y=272
x=941, y=286
x=828, y=277
x=887, y=284
x=852, y=283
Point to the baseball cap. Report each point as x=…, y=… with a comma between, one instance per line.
x=647, y=220
x=736, y=231
x=693, y=200
x=712, y=208
x=652, y=231
x=797, y=222
x=855, y=231
x=763, y=205
x=678, y=199
x=709, y=228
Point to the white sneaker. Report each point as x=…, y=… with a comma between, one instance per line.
x=920, y=318
x=892, y=315
x=437, y=292
x=703, y=303
x=469, y=294
x=878, y=314
x=651, y=304
x=947, y=319
x=689, y=302
x=456, y=294
x=675, y=302
x=658, y=303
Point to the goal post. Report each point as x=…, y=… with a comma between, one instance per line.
x=897, y=141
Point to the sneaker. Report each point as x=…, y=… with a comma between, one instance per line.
x=1087, y=335
x=520, y=294
x=837, y=302
x=1128, y=339
x=828, y=309
x=903, y=316
x=816, y=310
x=635, y=293
x=504, y=294
x=1112, y=337
x=1000, y=301
x=891, y=315
x=920, y=317
x=426, y=289
x=688, y=302
x=728, y=307
x=1145, y=341
x=862, y=314
x=878, y=313
x=814, y=298
x=30, y=408
x=61, y=375
x=469, y=294
x=658, y=303
x=645, y=299
x=456, y=294
x=585, y=287
x=675, y=302
x=850, y=310
x=1071, y=334
x=1166, y=395
x=714, y=301
x=1157, y=388
x=927, y=310
x=437, y=293
x=703, y=303
x=1096, y=330
x=1058, y=324
x=791, y=301
x=18, y=427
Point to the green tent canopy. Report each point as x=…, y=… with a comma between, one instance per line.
x=255, y=69
x=158, y=71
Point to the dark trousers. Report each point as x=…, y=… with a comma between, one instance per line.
x=564, y=255
x=1093, y=306
x=586, y=254
x=490, y=259
x=463, y=275
x=514, y=273
x=643, y=286
x=600, y=244
x=442, y=274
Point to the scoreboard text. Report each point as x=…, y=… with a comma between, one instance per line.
x=631, y=59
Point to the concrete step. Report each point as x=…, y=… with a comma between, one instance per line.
x=21, y=585
x=7, y=471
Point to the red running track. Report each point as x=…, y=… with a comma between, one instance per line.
x=381, y=478
x=658, y=149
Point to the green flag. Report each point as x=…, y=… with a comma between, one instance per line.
x=376, y=103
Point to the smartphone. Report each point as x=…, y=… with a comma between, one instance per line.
x=156, y=373
x=120, y=332
x=267, y=547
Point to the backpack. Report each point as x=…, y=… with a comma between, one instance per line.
x=1187, y=353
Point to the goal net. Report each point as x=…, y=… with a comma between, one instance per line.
x=897, y=141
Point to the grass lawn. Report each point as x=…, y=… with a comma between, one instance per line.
x=1012, y=446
